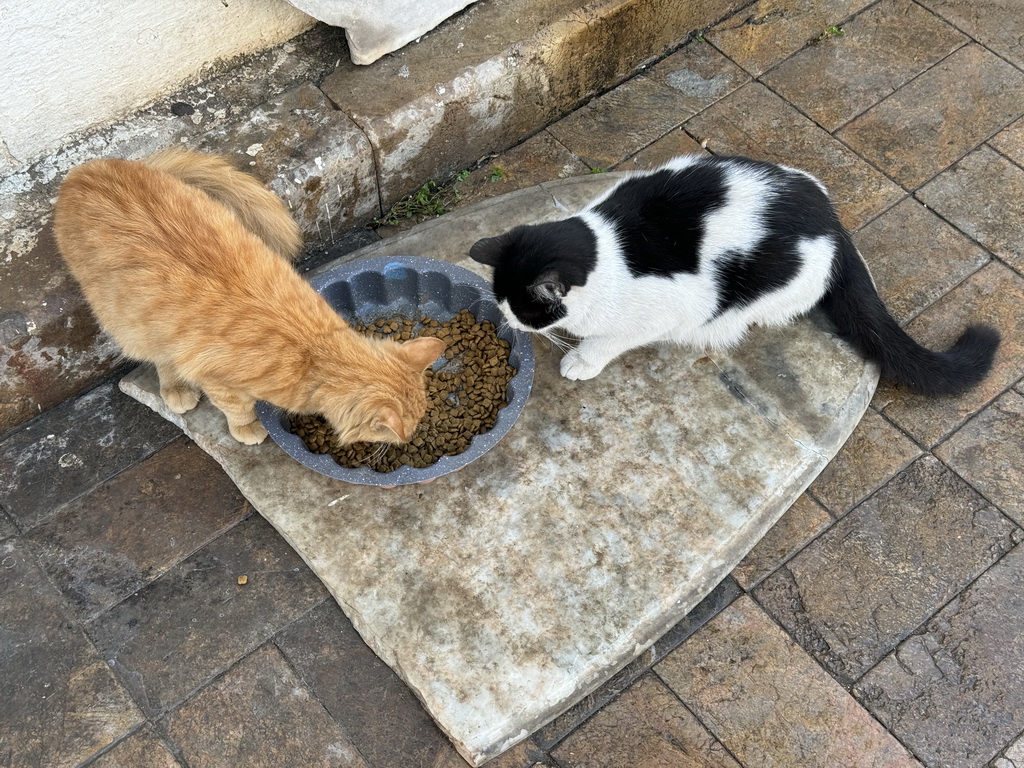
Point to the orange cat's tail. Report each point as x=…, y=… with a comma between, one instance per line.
x=259, y=209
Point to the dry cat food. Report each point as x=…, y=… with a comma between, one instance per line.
x=463, y=396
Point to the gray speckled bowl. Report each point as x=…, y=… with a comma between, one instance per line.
x=368, y=289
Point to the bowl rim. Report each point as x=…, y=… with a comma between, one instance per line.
x=273, y=418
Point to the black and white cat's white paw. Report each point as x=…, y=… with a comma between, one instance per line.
x=578, y=367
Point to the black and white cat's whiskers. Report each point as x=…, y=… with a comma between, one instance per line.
x=696, y=253
x=560, y=342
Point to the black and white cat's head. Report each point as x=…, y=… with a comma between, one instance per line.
x=535, y=268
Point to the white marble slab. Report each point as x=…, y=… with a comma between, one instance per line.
x=507, y=591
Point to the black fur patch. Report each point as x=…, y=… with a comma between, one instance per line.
x=859, y=316
x=798, y=210
x=743, y=278
x=659, y=217
x=566, y=248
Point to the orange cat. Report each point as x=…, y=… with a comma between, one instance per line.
x=180, y=258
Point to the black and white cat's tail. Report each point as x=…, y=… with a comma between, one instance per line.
x=861, y=318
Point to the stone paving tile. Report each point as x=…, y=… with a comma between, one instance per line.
x=763, y=34
x=553, y=732
x=111, y=542
x=143, y=749
x=801, y=523
x=260, y=715
x=59, y=703
x=550, y=734
x=753, y=121
x=381, y=716
x=700, y=74
x=992, y=295
x=1013, y=757
x=52, y=349
x=674, y=143
x=621, y=122
x=525, y=754
x=954, y=693
x=988, y=452
x=73, y=448
x=836, y=79
x=991, y=22
x=939, y=117
x=983, y=195
x=632, y=116
x=6, y=526
x=540, y=158
x=646, y=726
x=719, y=598
x=196, y=620
x=768, y=702
x=875, y=452
x=898, y=557
x=1010, y=141
x=916, y=257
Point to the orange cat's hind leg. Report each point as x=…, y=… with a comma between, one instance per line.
x=180, y=395
x=240, y=411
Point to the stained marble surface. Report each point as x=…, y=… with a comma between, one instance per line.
x=504, y=592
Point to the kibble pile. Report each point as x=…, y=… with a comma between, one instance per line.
x=463, y=396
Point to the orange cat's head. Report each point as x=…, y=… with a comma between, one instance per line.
x=390, y=400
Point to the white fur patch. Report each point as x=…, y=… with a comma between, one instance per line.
x=738, y=225
x=776, y=307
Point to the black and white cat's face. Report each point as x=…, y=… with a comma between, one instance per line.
x=535, y=267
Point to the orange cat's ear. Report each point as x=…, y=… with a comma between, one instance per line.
x=421, y=352
x=389, y=418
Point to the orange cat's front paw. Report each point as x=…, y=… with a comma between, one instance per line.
x=181, y=399
x=252, y=433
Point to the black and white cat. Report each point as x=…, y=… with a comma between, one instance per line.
x=695, y=253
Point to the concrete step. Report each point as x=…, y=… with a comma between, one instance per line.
x=340, y=143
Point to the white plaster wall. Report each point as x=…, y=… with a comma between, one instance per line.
x=71, y=65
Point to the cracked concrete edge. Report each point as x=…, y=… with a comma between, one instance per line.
x=226, y=100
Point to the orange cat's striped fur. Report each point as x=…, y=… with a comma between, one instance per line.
x=184, y=261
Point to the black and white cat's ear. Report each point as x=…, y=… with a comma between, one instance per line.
x=488, y=251
x=548, y=287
